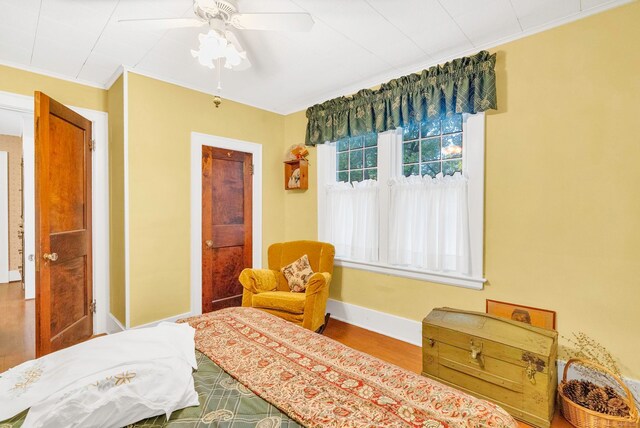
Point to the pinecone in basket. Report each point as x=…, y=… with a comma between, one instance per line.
x=617, y=407
x=576, y=391
x=611, y=392
x=597, y=400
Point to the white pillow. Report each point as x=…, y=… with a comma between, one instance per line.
x=34, y=381
x=119, y=397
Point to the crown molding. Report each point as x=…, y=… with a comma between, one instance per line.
x=196, y=88
x=115, y=76
x=58, y=76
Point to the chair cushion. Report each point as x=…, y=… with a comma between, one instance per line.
x=298, y=274
x=285, y=301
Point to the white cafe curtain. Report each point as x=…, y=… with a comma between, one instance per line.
x=429, y=223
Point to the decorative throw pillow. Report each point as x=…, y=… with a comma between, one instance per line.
x=298, y=274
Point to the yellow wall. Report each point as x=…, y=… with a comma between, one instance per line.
x=25, y=83
x=161, y=119
x=562, y=226
x=115, y=103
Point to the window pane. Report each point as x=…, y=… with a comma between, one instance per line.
x=408, y=170
x=371, y=140
x=356, y=175
x=343, y=161
x=452, y=146
x=356, y=142
x=343, y=145
x=431, y=168
x=452, y=124
x=430, y=149
x=430, y=128
x=371, y=174
x=342, y=176
x=410, y=152
x=451, y=167
x=371, y=157
x=355, y=159
x=410, y=132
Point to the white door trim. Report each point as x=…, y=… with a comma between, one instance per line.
x=197, y=141
x=100, y=200
x=4, y=217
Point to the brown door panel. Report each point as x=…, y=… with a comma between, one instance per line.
x=226, y=270
x=69, y=245
x=226, y=225
x=63, y=226
x=231, y=235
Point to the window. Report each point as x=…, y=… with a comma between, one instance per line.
x=407, y=202
x=433, y=147
x=357, y=158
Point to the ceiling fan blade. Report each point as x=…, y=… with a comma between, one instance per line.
x=231, y=38
x=161, y=23
x=272, y=21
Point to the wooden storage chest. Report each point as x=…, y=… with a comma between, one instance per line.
x=507, y=362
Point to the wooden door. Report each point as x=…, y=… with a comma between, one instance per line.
x=226, y=225
x=64, y=308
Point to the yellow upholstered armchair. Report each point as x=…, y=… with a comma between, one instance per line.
x=268, y=290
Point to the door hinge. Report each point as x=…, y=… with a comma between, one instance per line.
x=92, y=145
x=92, y=306
x=251, y=169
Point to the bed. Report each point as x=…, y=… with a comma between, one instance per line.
x=257, y=370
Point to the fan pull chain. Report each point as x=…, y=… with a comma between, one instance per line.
x=216, y=98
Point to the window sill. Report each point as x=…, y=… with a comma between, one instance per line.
x=440, y=278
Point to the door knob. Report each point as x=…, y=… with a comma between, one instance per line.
x=50, y=256
x=209, y=243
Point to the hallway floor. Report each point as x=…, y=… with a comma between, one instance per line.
x=17, y=326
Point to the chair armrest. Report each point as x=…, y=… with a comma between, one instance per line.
x=317, y=282
x=259, y=280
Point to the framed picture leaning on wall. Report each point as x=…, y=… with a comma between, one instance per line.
x=534, y=316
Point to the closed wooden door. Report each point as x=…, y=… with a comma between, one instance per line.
x=64, y=309
x=226, y=225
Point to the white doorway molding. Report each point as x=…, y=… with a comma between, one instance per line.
x=100, y=200
x=197, y=142
x=4, y=217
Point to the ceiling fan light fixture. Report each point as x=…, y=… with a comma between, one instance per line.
x=214, y=45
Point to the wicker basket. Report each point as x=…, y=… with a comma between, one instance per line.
x=582, y=417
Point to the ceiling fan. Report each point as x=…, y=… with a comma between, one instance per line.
x=221, y=16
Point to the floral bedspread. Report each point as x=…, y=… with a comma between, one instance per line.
x=322, y=383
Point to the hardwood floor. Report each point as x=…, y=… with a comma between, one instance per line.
x=17, y=338
x=394, y=351
x=17, y=326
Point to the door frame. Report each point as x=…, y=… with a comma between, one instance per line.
x=24, y=105
x=4, y=217
x=197, y=141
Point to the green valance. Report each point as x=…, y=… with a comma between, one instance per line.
x=464, y=85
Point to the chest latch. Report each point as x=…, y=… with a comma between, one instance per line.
x=476, y=353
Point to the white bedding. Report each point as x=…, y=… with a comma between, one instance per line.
x=94, y=379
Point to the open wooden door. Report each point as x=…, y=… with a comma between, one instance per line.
x=64, y=302
x=227, y=237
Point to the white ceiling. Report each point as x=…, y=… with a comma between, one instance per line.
x=354, y=43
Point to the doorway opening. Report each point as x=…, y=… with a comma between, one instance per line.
x=17, y=221
x=17, y=289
